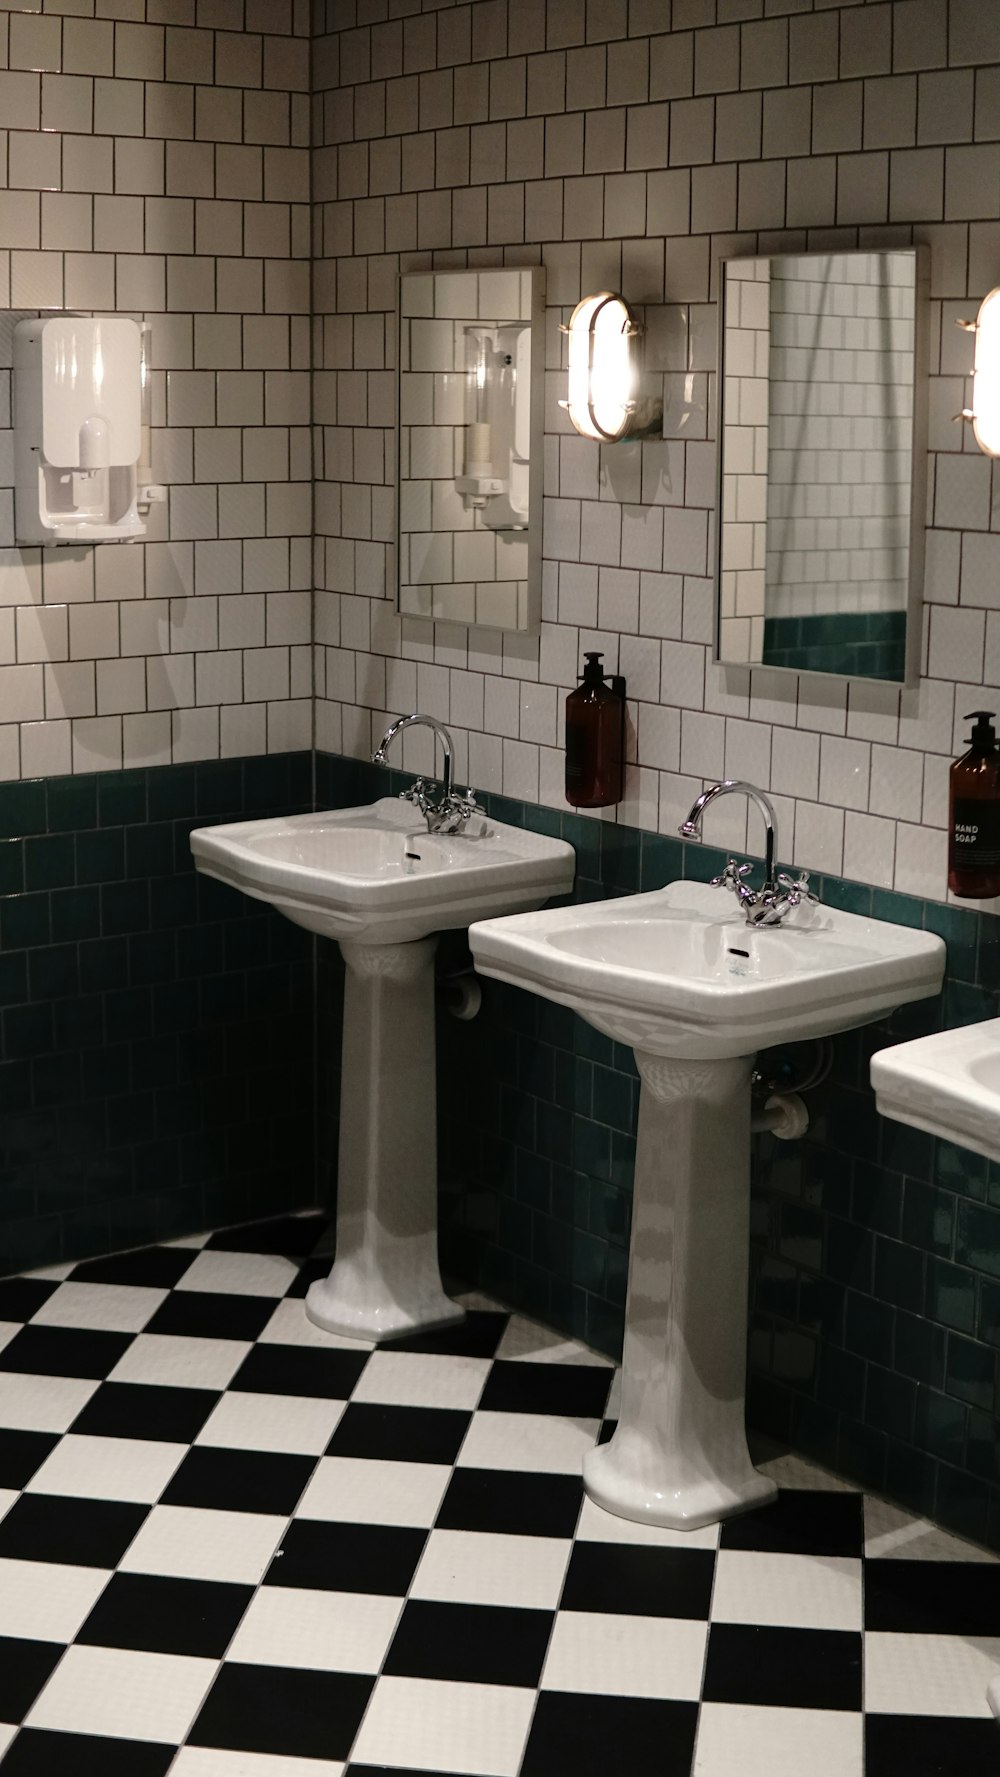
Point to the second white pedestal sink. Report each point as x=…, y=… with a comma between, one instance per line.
x=696, y=992
x=374, y=879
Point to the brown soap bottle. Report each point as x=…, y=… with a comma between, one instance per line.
x=974, y=815
x=595, y=738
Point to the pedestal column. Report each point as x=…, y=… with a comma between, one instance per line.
x=679, y=1456
x=385, y=1279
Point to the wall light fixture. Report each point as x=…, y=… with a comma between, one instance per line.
x=604, y=368
x=985, y=410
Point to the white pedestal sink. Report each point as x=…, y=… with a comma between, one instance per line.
x=376, y=881
x=696, y=992
x=947, y=1084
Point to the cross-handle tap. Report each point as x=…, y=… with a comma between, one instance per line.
x=768, y=905
x=447, y=812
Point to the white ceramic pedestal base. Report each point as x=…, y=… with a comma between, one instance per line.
x=679, y=1456
x=385, y=1279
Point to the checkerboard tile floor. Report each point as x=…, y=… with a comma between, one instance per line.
x=234, y=1546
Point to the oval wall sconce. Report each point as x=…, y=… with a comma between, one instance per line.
x=604, y=368
x=984, y=413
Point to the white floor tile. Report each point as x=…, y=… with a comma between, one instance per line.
x=7, y=1498
x=326, y=1631
x=42, y=1403
x=53, y=1273
x=44, y=1601
x=893, y=1533
x=540, y=1442
x=929, y=1674
x=355, y=1491
x=412, y=1379
x=737, y=1741
x=207, y=1761
x=196, y=1544
x=108, y=1468
x=109, y=1307
x=7, y=1732
x=790, y=1470
x=424, y=1724
x=290, y=1325
x=124, y=1694
x=9, y=1330
x=295, y=1423
x=195, y=1241
x=626, y=1656
x=177, y=1362
x=598, y=1526
x=526, y=1339
x=240, y=1274
x=474, y=1567
x=794, y=1591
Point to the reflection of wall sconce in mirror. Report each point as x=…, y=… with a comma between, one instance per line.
x=497, y=422
x=985, y=410
x=604, y=371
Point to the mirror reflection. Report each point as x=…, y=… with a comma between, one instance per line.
x=470, y=447
x=822, y=458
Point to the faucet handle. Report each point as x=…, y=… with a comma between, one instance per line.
x=797, y=889
x=732, y=876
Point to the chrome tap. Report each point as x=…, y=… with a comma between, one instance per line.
x=444, y=812
x=768, y=905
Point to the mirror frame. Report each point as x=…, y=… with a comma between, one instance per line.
x=918, y=462
x=536, y=463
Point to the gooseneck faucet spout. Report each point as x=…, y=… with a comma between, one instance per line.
x=444, y=812
x=418, y=719
x=691, y=828
x=769, y=905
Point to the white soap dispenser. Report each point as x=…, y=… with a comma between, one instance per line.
x=77, y=429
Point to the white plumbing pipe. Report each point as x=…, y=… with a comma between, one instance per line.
x=784, y=1115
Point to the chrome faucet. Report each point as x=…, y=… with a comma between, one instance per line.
x=768, y=905
x=446, y=812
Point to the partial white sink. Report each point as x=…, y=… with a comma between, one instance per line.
x=376, y=875
x=674, y=973
x=947, y=1084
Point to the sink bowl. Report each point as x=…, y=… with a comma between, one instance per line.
x=947, y=1084
x=673, y=973
x=696, y=992
x=375, y=880
x=375, y=874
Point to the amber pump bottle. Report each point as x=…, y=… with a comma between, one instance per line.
x=595, y=738
x=974, y=814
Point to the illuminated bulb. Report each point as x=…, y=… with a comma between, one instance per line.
x=601, y=367
x=986, y=377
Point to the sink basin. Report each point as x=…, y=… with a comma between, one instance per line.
x=375, y=874
x=674, y=973
x=696, y=992
x=947, y=1084
x=375, y=880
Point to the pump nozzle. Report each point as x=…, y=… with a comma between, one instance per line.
x=983, y=732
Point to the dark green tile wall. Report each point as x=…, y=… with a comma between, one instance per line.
x=875, y=1262
x=156, y=1028
x=861, y=644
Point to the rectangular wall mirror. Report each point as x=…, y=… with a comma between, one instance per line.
x=822, y=462
x=470, y=422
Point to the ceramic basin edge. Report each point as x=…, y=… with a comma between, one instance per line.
x=947, y=1084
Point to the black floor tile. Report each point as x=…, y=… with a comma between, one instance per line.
x=933, y=1597
x=589, y=1736
x=73, y=1532
x=146, y=1410
x=377, y=1558
x=309, y=1272
x=24, y=1667
x=399, y=1434
x=283, y=1710
x=630, y=1579
x=64, y=1351
x=574, y=1391
x=293, y=1237
x=21, y=1297
x=470, y=1643
x=151, y=1267
x=783, y=1668
x=931, y=1746
x=477, y=1336
x=205, y=1314
x=509, y=1503
x=37, y=1753
x=299, y=1369
x=21, y=1453
x=239, y=1480
x=166, y=1616
x=801, y=1521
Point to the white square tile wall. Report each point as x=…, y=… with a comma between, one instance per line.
x=629, y=144
x=154, y=161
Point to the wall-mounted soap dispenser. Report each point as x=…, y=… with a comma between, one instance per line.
x=595, y=738
x=77, y=429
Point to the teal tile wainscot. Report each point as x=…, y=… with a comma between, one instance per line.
x=157, y=1028
x=875, y=1272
